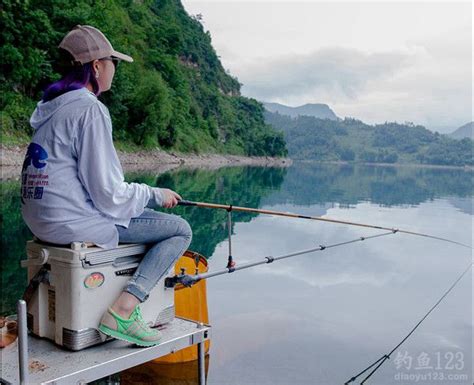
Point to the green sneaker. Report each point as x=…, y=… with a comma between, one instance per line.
x=134, y=329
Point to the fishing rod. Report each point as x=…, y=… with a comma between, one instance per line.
x=189, y=280
x=231, y=208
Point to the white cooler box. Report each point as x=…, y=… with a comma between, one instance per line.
x=83, y=281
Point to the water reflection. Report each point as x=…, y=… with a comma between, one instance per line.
x=316, y=318
x=246, y=185
x=309, y=184
x=320, y=318
x=462, y=204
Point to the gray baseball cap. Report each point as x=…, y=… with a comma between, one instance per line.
x=86, y=43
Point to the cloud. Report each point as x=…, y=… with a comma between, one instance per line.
x=375, y=61
x=428, y=82
x=329, y=73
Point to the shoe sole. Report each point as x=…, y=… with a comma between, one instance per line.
x=123, y=337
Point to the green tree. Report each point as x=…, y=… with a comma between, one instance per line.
x=175, y=95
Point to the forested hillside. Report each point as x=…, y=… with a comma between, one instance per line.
x=352, y=140
x=175, y=95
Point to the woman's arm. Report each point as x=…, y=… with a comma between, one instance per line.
x=100, y=171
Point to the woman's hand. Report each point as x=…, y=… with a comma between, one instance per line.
x=170, y=198
x=162, y=197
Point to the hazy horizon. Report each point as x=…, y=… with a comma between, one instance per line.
x=377, y=62
x=342, y=117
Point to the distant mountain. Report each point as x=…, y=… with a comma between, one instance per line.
x=466, y=131
x=321, y=111
x=352, y=140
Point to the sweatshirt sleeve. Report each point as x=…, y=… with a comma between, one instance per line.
x=100, y=171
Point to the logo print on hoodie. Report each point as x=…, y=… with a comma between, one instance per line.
x=36, y=155
x=32, y=186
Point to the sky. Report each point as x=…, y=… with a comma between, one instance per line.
x=375, y=61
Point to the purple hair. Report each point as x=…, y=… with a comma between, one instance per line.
x=76, y=77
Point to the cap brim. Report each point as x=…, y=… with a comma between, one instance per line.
x=122, y=56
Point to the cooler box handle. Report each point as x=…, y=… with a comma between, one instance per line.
x=38, y=261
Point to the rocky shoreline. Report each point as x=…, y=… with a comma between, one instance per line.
x=158, y=161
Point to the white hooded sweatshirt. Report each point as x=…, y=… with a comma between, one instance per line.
x=73, y=187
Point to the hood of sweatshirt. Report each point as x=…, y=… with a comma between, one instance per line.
x=45, y=110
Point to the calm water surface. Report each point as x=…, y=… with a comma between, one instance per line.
x=322, y=317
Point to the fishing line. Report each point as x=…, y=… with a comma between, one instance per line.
x=385, y=357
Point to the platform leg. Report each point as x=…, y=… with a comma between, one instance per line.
x=113, y=379
x=201, y=363
x=22, y=342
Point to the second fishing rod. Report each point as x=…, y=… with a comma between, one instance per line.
x=189, y=280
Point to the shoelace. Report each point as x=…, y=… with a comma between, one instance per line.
x=141, y=321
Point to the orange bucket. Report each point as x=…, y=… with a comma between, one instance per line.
x=190, y=303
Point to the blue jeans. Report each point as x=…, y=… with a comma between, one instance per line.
x=171, y=236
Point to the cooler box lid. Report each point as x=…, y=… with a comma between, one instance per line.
x=39, y=253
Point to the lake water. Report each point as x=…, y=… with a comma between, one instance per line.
x=323, y=317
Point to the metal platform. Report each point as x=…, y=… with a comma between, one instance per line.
x=50, y=364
